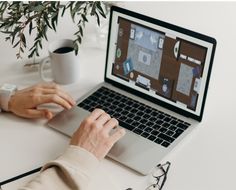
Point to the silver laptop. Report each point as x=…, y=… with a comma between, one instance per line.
x=155, y=84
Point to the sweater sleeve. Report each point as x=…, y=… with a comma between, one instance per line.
x=72, y=170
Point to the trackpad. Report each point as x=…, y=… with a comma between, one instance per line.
x=68, y=121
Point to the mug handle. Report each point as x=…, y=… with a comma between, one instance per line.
x=41, y=70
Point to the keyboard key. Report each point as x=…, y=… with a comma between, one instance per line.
x=166, y=138
x=145, y=134
x=167, y=119
x=148, y=111
x=173, y=122
x=121, y=105
x=129, y=121
x=185, y=123
x=154, y=132
x=118, y=109
x=142, y=107
x=116, y=115
x=126, y=125
x=137, y=131
x=158, y=140
x=153, y=119
x=165, y=144
x=135, y=123
x=137, y=118
x=111, y=113
x=152, y=137
x=127, y=108
x=146, y=116
x=86, y=107
x=140, y=113
x=124, y=112
x=170, y=133
x=94, y=98
x=122, y=118
x=131, y=115
x=148, y=129
x=179, y=131
x=156, y=127
x=133, y=110
x=172, y=128
x=154, y=114
x=113, y=107
x=143, y=121
x=150, y=124
x=142, y=127
x=163, y=129
x=136, y=105
x=81, y=104
x=161, y=116
x=165, y=124
x=159, y=122
x=182, y=126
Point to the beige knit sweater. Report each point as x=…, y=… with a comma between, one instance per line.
x=72, y=170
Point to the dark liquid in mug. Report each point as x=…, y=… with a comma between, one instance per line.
x=63, y=50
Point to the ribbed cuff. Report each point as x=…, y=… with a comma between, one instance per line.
x=78, y=159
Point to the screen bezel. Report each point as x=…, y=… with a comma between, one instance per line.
x=172, y=27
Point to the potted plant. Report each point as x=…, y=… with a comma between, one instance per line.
x=19, y=17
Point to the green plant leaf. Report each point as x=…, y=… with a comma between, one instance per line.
x=63, y=10
x=16, y=44
x=38, y=8
x=81, y=30
x=98, y=18
x=46, y=20
x=84, y=18
x=16, y=16
x=22, y=37
x=101, y=11
x=21, y=49
x=30, y=27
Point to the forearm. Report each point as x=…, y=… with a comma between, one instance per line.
x=72, y=170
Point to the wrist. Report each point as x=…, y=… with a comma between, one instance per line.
x=10, y=103
x=6, y=92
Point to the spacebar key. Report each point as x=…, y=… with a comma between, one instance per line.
x=126, y=125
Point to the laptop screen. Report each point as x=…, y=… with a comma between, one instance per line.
x=160, y=60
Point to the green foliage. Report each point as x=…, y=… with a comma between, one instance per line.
x=40, y=16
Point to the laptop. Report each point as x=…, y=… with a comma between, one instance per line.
x=155, y=84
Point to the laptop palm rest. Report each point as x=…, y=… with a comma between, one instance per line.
x=138, y=154
x=67, y=122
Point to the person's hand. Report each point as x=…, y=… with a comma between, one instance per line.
x=24, y=102
x=94, y=133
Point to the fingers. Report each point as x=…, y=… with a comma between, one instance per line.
x=60, y=93
x=112, y=123
x=95, y=114
x=48, y=89
x=34, y=114
x=50, y=85
x=120, y=132
x=41, y=85
x=103, y=118
x=53, y=98
x=51, y=93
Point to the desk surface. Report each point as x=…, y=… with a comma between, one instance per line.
x=204, y=160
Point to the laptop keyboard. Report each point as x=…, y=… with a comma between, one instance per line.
x=135, y=116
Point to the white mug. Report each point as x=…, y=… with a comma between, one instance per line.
x=64, y=63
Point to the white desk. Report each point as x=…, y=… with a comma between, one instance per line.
x=205, y=160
